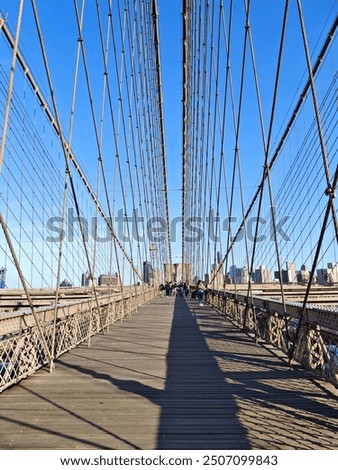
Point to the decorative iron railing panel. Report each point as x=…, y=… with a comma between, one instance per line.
x=316, y=346
x=22, y=350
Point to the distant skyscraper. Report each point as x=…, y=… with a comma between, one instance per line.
x=232, y=273
x=239, y=275
x=292, y=273
x=322, y=275
x=328, y=275
x=285, y=276
x=147, y=272
x=178, y=272
x=332, y=272
x=303, y=276
x=85, y=279
x=2, y=278
x=108, y=280
x=262, y=275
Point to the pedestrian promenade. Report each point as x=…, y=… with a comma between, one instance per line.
x=174, y=375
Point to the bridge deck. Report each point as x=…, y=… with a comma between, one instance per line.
x=172, y=376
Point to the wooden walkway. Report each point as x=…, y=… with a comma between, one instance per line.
x=172, y=376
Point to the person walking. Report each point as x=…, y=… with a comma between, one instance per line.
x=167, y=288
x=162, y=289
x=200, y=291
x=186, y=290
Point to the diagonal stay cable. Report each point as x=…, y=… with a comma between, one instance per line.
x=160, y=104
x=289, y=125
x=11, y=81
x=314, y=265
x=185, y=103
x=105, y=50
x=266, y=170
x=64, y=142
x=317, y=114
x=2, y=148
x=98, y=138
x=65, y=152
x=237, y=129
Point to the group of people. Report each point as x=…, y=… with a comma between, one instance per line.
x=170, y=288
x=183, y=289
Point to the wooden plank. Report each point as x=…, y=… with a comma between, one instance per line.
x=173, y=376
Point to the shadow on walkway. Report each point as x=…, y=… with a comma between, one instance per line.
x=222, y=391
x=198, y=410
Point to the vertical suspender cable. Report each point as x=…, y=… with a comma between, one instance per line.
x=288, y=128
x=160, y=103
x=266, y=170
x=66, y=154
x=185, y=53
x=11, y=84
x=318, y=119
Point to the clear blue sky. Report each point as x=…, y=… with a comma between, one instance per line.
x=60, y=37
x=266, y=24
x=170, y=21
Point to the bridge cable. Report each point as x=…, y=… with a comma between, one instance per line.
x=72, y=158
x=331, y=186
x=237, y=127
x=318, y=119
x=229, y=89
x=11, y=81
x=213, y=181
x=164, y=159
x=304, y=162
x=2, y=147
x=185, y=59
x=266, y=171
x=282, y=140
x=65, y=152
x=222, y=164
x=314, y=265
x=106, y=87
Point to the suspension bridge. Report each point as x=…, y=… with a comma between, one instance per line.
x=133, y=134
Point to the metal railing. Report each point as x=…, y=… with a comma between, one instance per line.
x=313, y=342
x=23, y=350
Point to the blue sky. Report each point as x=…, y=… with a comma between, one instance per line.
x=171, y=51
x=60, y=38
x=266, y=26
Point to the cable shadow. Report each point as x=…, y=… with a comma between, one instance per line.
x=212, y=370
x=301, y=405
x=117, y=366
x=266, y=383
x=65, y=435
x=198, y=411
x=40, y=429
